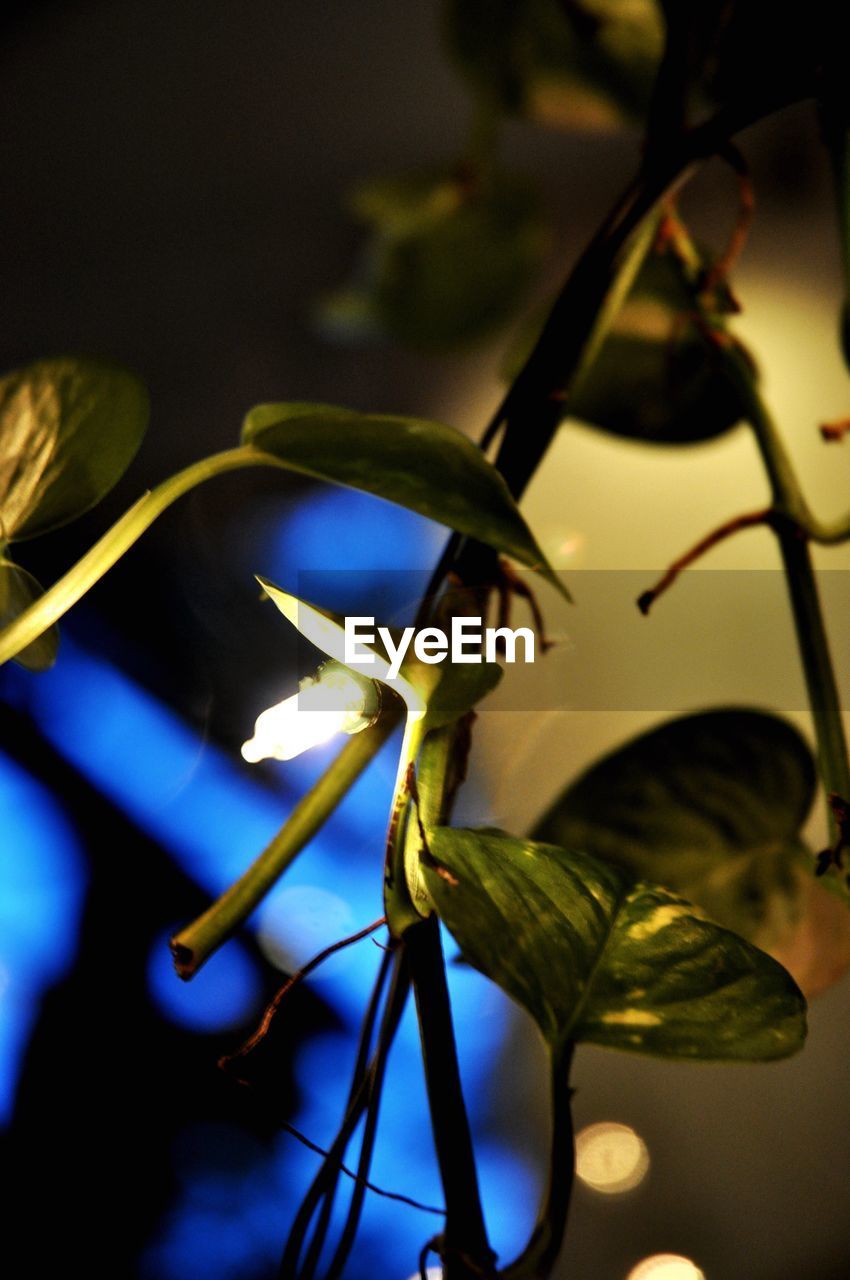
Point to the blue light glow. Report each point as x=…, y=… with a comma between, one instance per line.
x=42, y=886
x=225, y=994
x=335, y=528
x=214, y=818
x=361, y=554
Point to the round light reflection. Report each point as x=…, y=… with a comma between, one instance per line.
x=296, y=923
x=611, y=1158
x=666, y=1266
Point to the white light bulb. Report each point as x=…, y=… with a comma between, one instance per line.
x=334, y=701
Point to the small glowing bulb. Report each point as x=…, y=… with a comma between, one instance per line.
x=335, y=700
x=666, y=1266
x=611, y=1158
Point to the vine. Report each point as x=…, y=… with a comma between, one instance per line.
x=583, y=923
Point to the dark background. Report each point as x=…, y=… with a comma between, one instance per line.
x=172, y=178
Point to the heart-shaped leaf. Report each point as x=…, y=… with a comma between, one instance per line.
x=18, y=589
x=425, y=466
x=668, y=370
x=595, y=956
x=710, y=805
x=447, y=262
x=68, y=430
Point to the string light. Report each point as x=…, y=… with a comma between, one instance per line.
x=333, y=701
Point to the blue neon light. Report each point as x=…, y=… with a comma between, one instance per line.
x=42, y=884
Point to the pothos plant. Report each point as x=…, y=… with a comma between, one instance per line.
x=635, y=914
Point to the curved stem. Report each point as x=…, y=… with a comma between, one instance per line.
x=540, y=1254
x=817, y=664
x=102, y=556
x=831, y=534
x=792, y=528
x=399, y=905
x=576, y=323
x=195, y=944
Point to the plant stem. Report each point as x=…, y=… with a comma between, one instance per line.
x=56, y=601
x=328, y=1178
x=540, y=1254
x=466, y=1251
x=817, y=663
x=792, y=530
x=370, y=1129
x=192, y=946
x=359, y=1099
x=399, y=905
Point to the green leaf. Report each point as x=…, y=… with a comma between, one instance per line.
x=425, y=466
x=664, y=372
x=326, y=631
x=594, y=956
x=710, y=805
x=436, y=694
x=68, y=430
x=590, y=64
x=18, y=589
x=459, y=687
x=447, y=263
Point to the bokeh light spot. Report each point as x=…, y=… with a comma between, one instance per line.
x=666, y=1266
x=611, y=1158
x=224, y=994
x=296, y=924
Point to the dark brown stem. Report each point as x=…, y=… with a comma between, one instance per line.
x=293, y=981
x=343, y=1249
x=747, y=521
x=361, y=1091
x=466, y=1250
x=719, y=271
x=540, y=1254
x=327, y=1179
x=558, y=354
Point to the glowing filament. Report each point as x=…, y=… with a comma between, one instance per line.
x=334, y=701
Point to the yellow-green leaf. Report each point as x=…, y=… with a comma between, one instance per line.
x=68, y=430
x=435, y=694
x=595, y=956
x=18, y=589
x=710, y=805
x=425, y=466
